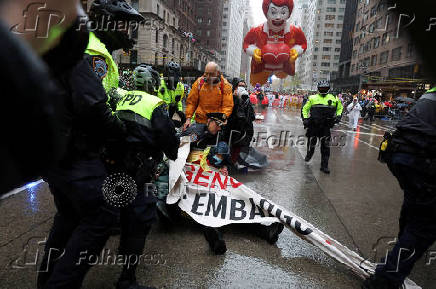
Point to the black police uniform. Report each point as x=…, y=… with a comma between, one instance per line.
x=138, y=155
x=82, y=224
x=413, y=163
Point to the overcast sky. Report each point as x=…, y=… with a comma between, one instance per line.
x=257, y=16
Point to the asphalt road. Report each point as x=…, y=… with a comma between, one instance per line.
x=358, y=205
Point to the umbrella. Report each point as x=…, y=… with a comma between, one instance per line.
x=405, y=99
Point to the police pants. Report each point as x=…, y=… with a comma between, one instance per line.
x=81, y=225
x=324, y=135
x=417, y=219
x=136, y=221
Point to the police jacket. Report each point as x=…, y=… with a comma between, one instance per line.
x=322, y=108
x=28, y=123
x=417, y=130
x=149, y=127
x=92, y=122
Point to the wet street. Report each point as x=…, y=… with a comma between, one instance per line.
x=358, y=204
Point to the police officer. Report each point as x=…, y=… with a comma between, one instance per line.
x=411, y=157
x=83, y=221
x=150, y=134
x=321, y=112
x=103, y=42
x=171, y=90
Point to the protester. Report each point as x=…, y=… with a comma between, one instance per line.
x=210, y=93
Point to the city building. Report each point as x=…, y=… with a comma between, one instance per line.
x=245, y=58
x=160, y=39
x=234, y=13
x=343, y=81
x=383, y=57
x=323, y=29
x=208, y=23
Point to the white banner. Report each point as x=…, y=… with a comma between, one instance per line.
x=215, y=200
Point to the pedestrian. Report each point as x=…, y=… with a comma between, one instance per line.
x=171, y=90
x=321, y=112
x=209, y=93
x=354, y=110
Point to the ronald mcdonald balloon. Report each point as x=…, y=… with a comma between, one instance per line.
x=276, y=44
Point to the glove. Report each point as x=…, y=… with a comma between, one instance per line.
x=162, y=91
x=257, y=56
x=293, y=55
x=306, y=122
x=338, y=119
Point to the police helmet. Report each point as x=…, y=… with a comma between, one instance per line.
x=323, y=86
x=116, y=9
x=146, y=77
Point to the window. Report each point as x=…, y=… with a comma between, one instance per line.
x=157, y=36
x=165, y=41
x=376, y=42
x=384, y=57
x=396, y=54
x=328, y=41
x=158, y=10
x=410, y=50
x=338, y=34
x=341, y=17
x=326, y=49
x=374, y=60
x=337, y=49
x=315, y=57
x=328, y=33
x=325, y=64
x=330, y=17
x=329, y=25
x=385, y=38
x=326, y=57
x=331, y=9
x=331, y=1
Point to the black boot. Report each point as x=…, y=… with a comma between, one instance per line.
x=377, y=282
x=215, y=240
x=273, y=232
x=325, y=170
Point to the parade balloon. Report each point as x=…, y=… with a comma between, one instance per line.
x=276, y=44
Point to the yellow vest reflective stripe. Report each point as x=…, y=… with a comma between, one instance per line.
x=140, y=103
x=96, y=47
x=432, y=90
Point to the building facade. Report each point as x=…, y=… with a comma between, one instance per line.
x=383, y=57
x=323, y=29
x=234, y=13
x=161, y=39
x=343, y=81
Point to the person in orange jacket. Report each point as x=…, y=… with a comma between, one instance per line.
x=210, y=93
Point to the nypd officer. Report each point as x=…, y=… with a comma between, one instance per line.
x=83, y=220
x=411, y=157
x=171, y=90
x=150, y=134
x=320, y=113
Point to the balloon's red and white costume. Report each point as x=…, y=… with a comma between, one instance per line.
x=276, y=44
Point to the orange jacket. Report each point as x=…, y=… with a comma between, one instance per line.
x=209, y=99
